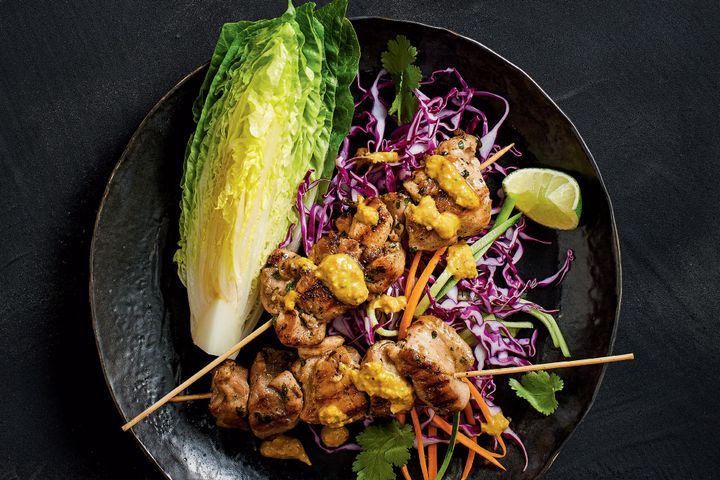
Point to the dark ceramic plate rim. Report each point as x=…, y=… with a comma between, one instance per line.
x=576, y=133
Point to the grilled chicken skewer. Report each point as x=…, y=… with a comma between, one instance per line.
x=341, y=270
x=329, y=385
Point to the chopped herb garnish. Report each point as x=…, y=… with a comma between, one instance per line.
x=539, y=388
x=384, y=447
x=398, y=60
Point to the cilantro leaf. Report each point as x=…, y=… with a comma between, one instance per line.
x=398, y=61
x=539, y=388
x=405, y=104
x=384, y=446
x=399, y=55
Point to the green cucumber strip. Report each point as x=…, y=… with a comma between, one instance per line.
x=450, y=449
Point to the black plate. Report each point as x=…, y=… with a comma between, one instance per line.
x=139, y=307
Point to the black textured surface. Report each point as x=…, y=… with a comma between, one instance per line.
x=639, y=79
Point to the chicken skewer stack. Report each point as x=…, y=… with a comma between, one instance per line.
x=326, y=382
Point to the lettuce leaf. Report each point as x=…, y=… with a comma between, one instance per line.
x=275, y=102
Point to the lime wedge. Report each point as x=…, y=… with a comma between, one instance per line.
x=549, y=197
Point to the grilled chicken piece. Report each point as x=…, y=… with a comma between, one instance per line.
x=383, y=266
x=277, y=278
x=230, y=390
x=472, y=221
x=373, y=236
x=396, y=204
x=306, y=324
x=382, y=258
x=432, y=352
x=384, y=352
x=331, y=244
x=275, y=400
x=329, y=394
x=327, y=345
x=298, y=329
x=315, y=299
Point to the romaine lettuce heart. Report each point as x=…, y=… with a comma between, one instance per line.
x=275, y=103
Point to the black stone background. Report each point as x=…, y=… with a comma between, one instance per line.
x=639, y=79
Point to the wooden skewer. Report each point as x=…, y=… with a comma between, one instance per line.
x=190, y=398
x=496, y=156
x=547, y=366
x=476, y=373
x=197, y=376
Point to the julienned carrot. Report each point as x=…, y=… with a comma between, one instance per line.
x=479, y=399
x=417, y=292
x=420, y=444
x=405, y=472
x=432, y=453
x=487, y=414
x=470, y=419
x=445, y=427
x=411, y=273
x=469, y=461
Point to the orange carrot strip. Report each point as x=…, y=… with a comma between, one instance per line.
x=469, y=418
x=432, y=453
x=420, y=445
x=417, y=292
x=479, y=399
x=447, y=428
x=405, y=472
x=486, y=413
x=411, y=274
x=468, y=462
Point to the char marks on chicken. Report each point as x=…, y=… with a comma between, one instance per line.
x=330, y=397
x=430, y=354
x=382, y=255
